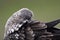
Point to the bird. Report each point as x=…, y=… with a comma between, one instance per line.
x=21, y=26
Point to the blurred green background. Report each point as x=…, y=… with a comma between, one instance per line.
x=44, y=10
